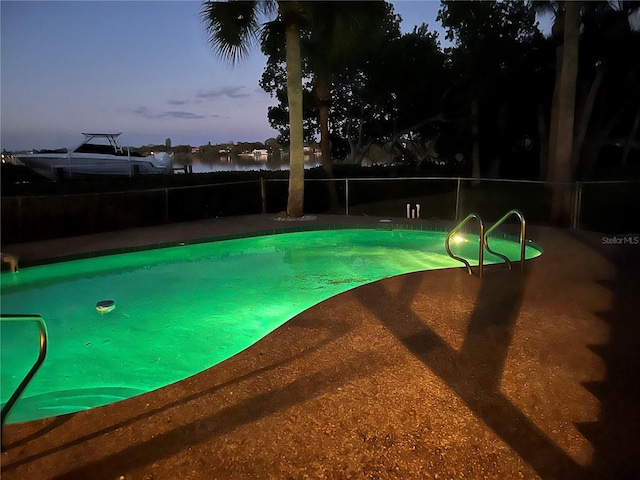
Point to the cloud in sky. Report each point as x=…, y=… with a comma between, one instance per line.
x=225, y=92
x=230, y=92
x=175, y=114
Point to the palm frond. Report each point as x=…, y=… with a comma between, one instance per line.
x=267, y=8
x=233, y=27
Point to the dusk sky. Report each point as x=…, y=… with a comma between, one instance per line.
x=140, y=67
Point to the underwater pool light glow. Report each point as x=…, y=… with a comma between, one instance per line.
x=458, y=239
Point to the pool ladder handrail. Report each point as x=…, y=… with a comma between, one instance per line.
x=480, y=241
x=484, y=241
x=42, y=326
x=523, y=231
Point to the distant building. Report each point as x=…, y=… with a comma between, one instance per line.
x=260, y=154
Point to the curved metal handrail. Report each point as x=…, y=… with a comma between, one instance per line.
x=43, y=352
x=481, y=242
x=523, y=231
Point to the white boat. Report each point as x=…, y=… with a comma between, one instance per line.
x=98, y=154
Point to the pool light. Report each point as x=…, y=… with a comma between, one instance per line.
x=458, y=239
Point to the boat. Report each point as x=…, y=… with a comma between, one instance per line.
x=98, y=154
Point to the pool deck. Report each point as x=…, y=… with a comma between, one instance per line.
x=434, y=375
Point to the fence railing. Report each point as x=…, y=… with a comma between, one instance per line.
x=608, y=207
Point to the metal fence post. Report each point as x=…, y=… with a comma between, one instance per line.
x=20, y=221
x=457, y=200
x=577, y=205
x=346, y=196
x=263, y=195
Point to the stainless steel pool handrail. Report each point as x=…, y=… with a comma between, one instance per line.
x=454, y=230
x=42, y=326
x=523, y=231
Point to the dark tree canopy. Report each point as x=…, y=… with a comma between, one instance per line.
x=484, y=104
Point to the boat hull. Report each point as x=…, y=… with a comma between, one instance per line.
x=62, y=165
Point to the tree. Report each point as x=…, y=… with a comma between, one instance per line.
x=608, y=92
x=391, y=86
x=233, y=27
x=334, y=36
x=563, y=116
x=596, y=88
x=339, y=33
x=490, y=41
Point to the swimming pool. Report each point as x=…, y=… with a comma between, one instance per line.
x=183, y=309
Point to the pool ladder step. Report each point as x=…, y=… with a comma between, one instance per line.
x=483, y=241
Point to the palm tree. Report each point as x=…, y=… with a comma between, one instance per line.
x=559, y=169
x=335, y=36
x=561, y=135
x=338, y=31
x=233, y=27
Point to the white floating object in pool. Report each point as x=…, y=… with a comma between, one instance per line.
x=105, y=306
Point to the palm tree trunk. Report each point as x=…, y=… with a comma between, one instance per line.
x=323, y=97
x=295, y=202
x=561, y=170
x=557, y=34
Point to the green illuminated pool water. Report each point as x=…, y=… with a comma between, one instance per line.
x=181, y=310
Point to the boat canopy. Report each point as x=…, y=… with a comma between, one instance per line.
x=112, y=138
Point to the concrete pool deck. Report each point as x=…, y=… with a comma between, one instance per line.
x=427, y=375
